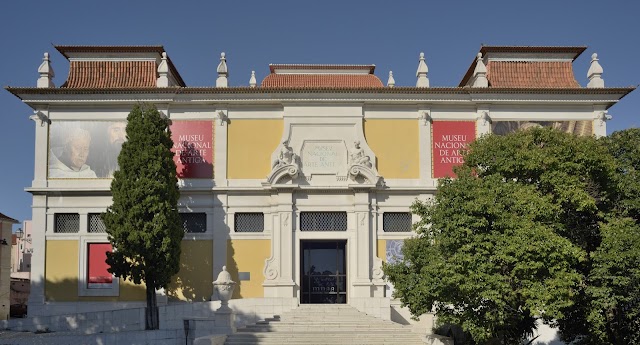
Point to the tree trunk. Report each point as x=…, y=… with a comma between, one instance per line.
x=152, y=320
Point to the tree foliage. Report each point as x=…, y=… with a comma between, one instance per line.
x=143, y=223
x=536, y=225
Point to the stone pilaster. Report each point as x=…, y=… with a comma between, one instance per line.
x=279, y=268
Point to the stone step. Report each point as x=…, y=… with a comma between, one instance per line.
x=324, y=325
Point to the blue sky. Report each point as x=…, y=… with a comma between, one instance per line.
x=389, y=34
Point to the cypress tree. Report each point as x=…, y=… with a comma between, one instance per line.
x=143, y=223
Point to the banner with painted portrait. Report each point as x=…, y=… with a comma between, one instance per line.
x=85, y=149
x=574, y=127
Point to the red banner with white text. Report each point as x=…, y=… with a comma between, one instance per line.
x=193, y=148
x=449, y=139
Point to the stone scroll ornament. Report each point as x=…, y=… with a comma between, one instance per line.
x=287, y=164
x=360, y=165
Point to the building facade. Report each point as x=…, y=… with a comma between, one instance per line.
x=299, y=184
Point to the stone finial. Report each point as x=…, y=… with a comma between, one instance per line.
x=595, y=73
x=252, y=80
x=480, y=73
x=423, y=81
x=224, y=277
x=391, y=82
x=163, y=72
x=46, y=73
x=223, y=73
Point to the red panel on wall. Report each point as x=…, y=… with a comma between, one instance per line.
x=98, y=275
x=193, y=148
x=448, y=138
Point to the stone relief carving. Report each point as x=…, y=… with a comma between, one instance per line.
x=425, y=117
x=602, y=117
x=360, y=166
x=357, y=156
x=376, y=271
x=484, y=118
x=286, y=164
x=286, y=156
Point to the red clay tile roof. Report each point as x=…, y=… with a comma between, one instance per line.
x=3, y=217
x=321, y=76
x=368, y=68
x=546, y=74
x=110, y=74
x=67, y=51
x=574, y=50
x=355, y=81
x=64, y=50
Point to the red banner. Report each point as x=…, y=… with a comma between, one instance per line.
x=193, y=148
x=449, y=138
x=98, y=276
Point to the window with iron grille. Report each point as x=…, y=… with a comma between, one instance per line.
x=194, y=222
x=249, y=222
x=323, y=221
x=66, y=223
x=396, y=222
x=95, y=223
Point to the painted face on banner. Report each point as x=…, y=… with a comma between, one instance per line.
x=117, y=133
x=78, y=151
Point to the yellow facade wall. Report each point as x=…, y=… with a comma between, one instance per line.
x=61, y=272
x=248, y=256
x=61, y=265
x=194, y=280
x=396, y=146
x=250, y=144
x=382, y=250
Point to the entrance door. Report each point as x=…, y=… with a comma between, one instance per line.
x=323, y=272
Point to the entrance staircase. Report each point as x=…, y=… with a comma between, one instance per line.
x=324, y=324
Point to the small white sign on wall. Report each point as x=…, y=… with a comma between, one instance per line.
x=324, y=157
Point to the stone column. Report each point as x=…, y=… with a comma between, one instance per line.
x=424, y=128
x=39, y=212
x=38, y=226
x=279, y=268
x=218, y=222
x=362, y=284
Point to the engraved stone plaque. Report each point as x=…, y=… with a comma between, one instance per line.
x=324, y=157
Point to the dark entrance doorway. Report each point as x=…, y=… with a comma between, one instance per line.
x=323, y=272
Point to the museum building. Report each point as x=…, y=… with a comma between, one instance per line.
x=299, y=184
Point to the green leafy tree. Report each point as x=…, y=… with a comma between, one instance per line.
x=509, y=240
x=613, y=309
x=143, y=223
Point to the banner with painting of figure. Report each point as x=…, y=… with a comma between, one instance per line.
x=449, y=139
x=574, y=127
x=85, y=149
x=193, y=148
x=90, y=149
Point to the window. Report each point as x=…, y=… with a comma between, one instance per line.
x=249, y=222
x=97, y=275
x=323, y=221
x=94, y=277
x=66, y=223
x=194, y=222
x=396, y=222
x=96, y=225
